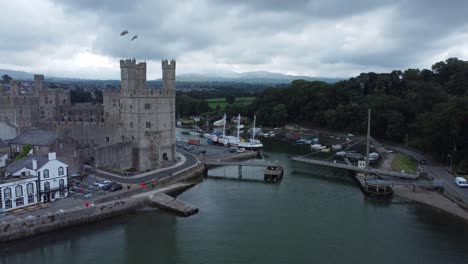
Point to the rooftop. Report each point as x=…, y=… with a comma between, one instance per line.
x=26, y=162
x=35, y=138
x=13, y=179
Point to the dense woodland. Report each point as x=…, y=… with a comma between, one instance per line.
x=430, y=107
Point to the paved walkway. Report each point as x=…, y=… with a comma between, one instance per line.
x=142, y=175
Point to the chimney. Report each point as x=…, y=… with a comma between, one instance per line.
x=52, y=156
x=34, y=164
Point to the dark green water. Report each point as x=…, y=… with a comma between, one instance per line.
x=314, y=216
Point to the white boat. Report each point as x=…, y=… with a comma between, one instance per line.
x=226, y=140
x=252, y=144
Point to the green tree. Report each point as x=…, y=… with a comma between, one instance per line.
x=279, y=115
x=230, y=99
x=6, y=78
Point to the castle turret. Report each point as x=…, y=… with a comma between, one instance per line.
x=133, y=75
x=168, y=74
x=14, y=88
x=38, y=83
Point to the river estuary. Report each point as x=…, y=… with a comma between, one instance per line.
x=314, y=215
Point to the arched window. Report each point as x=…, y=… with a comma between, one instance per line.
x=47, y=186
x=60, y=171
x=19, y=190
x=7, y=193
x=30, y=188
x=46, y=173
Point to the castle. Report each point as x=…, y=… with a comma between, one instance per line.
x=133, y=128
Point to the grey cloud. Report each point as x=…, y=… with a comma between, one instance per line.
x=300, y=34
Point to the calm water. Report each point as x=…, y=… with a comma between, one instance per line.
x=314, y=216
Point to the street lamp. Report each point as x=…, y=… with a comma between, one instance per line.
x=450, y=161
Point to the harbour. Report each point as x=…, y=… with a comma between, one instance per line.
x=244, y=222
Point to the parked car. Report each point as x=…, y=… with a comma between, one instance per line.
x=189, y=147
x=115, y=187
x=461, y=182
x=232, y=150
x=107, y=186
x=423, y=162
x=98, y=182
x=102, y=184
x=88, y=196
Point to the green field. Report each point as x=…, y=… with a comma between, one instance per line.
x=404, y=162
x=213, y=102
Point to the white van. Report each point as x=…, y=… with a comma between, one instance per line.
x=461, y=182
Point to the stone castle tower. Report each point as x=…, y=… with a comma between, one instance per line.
x=133, y=128
x=147, y=115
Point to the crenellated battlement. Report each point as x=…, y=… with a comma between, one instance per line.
x=131, y=63
x=168, y=65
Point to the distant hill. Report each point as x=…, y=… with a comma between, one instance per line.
x=255, y=77
x=17, y=75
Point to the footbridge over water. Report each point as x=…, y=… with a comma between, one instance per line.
x=357, y=169
x=273, y=170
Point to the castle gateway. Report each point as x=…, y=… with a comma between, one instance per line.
x=133, y=128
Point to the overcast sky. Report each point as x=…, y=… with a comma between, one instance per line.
x=326, y=38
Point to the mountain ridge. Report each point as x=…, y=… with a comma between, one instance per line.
x=253, y=77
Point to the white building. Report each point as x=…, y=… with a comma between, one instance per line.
x=33, y=179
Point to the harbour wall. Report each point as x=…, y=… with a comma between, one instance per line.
x=103, y=208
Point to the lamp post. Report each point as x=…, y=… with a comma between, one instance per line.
x=450, y=161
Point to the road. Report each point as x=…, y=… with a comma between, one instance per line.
x=190, y=160
x=438, y=171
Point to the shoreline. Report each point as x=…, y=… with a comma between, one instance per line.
x=432, y=199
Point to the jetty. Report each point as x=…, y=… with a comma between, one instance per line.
x=365, y=170
x=169, y=203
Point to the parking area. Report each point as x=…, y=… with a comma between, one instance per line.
x=93, y=187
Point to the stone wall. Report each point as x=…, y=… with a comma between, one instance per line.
x=37, y=225
x=117, y=156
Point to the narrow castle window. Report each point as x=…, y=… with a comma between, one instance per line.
x=131, y=124
x=148, y=125
x=107, y=139
x=147, y=106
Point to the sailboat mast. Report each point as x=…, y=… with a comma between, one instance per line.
x=253, y=132
x=224, y=126
x=238, y=126
x=368, y=138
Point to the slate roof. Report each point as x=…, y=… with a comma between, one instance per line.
x=3, y=144
x=35, y=138
x=26, y=162
x=2, y=154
